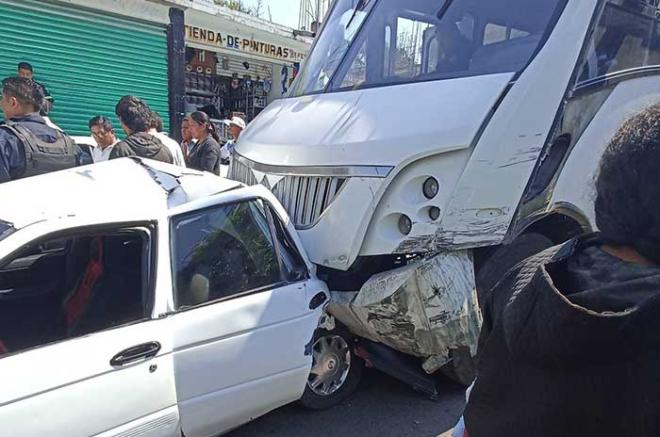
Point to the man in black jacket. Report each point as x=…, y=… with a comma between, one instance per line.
x=28, y=146
x=135, y=117
x=570, y=344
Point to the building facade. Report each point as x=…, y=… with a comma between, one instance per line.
x=89, y=53
x=312, y=13
x=178, y=55
x=236, y=63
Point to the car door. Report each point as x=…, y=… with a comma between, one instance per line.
x=246, y=311
x=83, y=356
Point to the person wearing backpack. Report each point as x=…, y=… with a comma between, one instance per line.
x=28, y=146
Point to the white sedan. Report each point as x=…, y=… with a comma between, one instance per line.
x=138, y=298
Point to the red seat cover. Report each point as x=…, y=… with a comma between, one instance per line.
x=75, y=306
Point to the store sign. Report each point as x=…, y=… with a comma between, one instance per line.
x=247, y=45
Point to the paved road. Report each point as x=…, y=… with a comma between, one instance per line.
x=381, y=407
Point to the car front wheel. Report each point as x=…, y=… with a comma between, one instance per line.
x=336, y=370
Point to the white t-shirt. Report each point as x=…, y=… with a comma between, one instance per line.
x=100, y=155
x=227, y=150
x=172, y=146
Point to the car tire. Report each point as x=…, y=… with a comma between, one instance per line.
x=329, y=382
x=504, y=258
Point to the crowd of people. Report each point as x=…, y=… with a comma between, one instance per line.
x=31, y=144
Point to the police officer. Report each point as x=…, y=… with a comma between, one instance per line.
x=28, y=146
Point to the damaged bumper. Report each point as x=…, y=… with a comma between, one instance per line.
x=425, y=309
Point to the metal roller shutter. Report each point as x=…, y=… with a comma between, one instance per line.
x=234, y=64
x=86, y=60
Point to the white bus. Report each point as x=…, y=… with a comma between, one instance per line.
x=429, y=145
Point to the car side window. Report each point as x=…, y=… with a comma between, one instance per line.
x=61, y=288
x=626, y=37
x=222, y=252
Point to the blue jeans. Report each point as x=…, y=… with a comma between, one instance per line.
x=459, y=429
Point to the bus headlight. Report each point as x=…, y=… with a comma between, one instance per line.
x=430, y=188
x=405, y=224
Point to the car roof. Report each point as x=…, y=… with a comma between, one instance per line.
x=122, y=189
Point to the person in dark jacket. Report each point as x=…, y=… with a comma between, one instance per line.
x=28, y=146
x=25, y=70
x=570, y=344
x=205, y=155
x=135, y=117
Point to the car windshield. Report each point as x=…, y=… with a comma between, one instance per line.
x=6, y=228
x=383, y=42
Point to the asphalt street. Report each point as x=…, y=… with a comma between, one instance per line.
x=381, y=407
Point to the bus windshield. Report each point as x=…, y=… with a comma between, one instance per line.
x=366, y=43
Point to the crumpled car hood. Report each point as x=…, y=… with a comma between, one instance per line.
x=425, y=309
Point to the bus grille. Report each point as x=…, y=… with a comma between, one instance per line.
x=304, y=197
x=241, y=173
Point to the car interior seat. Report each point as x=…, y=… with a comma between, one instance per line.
x=198, y=290
x=75, y=303
x=110, y=291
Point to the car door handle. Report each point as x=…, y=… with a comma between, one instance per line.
x=133, y=354
x=317, y=301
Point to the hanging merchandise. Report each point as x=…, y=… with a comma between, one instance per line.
x=285, y=79
x=296, y=67
x=268, y=84
x=202, y=85
x=202, y=90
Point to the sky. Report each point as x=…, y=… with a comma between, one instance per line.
x=283, y=11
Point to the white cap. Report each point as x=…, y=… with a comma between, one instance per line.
x=237, y=121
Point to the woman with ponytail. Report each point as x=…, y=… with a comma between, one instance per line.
x=205, y=155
